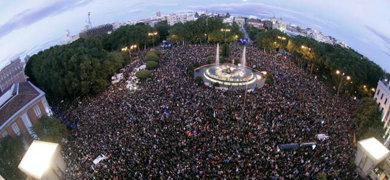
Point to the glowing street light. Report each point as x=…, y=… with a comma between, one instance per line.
x=225, y=30
x=152, y=34
x=343, y=80
x=305, y=47
x=282, y=38
x=124, y=49
x=134, y=46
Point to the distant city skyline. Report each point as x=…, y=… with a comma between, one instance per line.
x=28, y=26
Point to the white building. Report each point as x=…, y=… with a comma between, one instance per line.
x=370, y=159
x=181, y=17
x=240, y=21
x=382, y=97
x=228, y=20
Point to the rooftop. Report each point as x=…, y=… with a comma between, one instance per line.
x=38, y=158
x=25, y=93
x=374, y=148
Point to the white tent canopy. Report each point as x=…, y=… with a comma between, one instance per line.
x=375, y=149
x=43, y=160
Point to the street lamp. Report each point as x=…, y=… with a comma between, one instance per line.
x=152, y=34
x=342, y=81
x=282, y=38
x=225, y=30
x=134, y=46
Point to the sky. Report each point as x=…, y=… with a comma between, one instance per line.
x=27, y=27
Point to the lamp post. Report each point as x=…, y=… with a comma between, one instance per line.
x=281, y=39
x=343, y=80
x=225, y=30
x=152, y=34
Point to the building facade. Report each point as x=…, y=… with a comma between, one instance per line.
x=21, y=106
x=10, y=74
x=382, y=97
x=181, y=18
x=240, y=21
x=255, y=23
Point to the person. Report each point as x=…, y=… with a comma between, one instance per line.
x=180, y=130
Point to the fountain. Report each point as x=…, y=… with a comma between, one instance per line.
x=243, y=58
x=230, y=75
x=217, y=55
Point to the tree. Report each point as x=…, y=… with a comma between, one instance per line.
x=143, y=74
x=204, y=29
x=12, y=152
x=151, y=57
x=150, y=65
x=157, y=53
x=50, y=129
x=324, y=59
x=163, y=29
x=367, y=119
x=226, y=50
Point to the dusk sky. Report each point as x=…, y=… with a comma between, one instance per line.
x=29, y=26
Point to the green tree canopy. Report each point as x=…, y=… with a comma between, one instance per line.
x=11, y=153
x=367, y=118
x=50, y=129
x=150, y=65
x=143, y=74
x=324, y=59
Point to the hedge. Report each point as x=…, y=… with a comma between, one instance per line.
x=150, y=65
x=143, y=74
x=158, y=53
x=151, y=57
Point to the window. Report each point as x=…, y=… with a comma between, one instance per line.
x=385, y=101
x=377, y=93
x=37, y=111
x=382, y=96
x=4, y=134
x=16, y=129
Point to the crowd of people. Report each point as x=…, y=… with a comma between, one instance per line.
x=172, y=128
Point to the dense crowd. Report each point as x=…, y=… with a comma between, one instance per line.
x=175, y=129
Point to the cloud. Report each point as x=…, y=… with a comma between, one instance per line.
x=387, y=53
x=379, y=34
x=30, y=16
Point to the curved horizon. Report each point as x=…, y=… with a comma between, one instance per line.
x=28, y=27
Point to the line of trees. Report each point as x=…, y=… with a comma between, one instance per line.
x=367, y=119
x=335, y=64
x=204, y=29
x=85, y=66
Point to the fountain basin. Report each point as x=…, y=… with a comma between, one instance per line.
x=230, y=75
